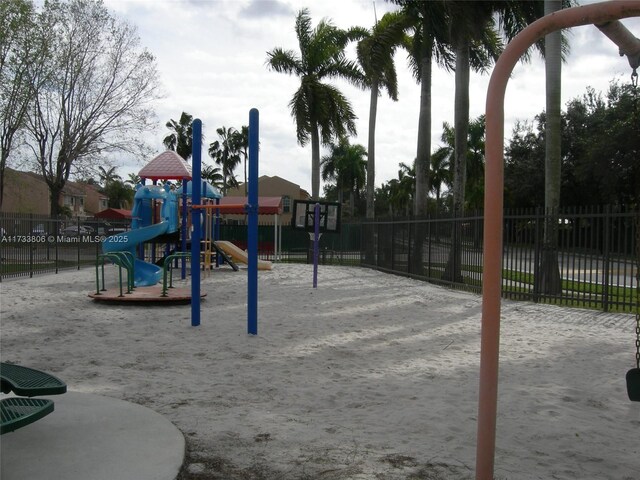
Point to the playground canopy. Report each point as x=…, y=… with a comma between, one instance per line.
x=266, y=205
x=166, y=166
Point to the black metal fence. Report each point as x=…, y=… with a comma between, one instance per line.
x=595, y=258
x=33, y=244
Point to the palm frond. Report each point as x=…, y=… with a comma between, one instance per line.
x=284, y=61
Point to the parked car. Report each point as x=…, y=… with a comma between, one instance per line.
x=75, y=230
x=38, y=231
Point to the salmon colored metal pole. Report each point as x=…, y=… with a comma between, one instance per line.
x=493, y=204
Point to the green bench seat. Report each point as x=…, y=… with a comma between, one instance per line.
x=19, y=412
x=28, y=382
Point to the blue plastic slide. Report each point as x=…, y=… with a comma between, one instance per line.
x=145, y=274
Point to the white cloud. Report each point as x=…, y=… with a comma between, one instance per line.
x=211, y=56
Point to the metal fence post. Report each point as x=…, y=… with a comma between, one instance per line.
x=536, y=256
x=606, y=258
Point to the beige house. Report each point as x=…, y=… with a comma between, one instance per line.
x=27, y=192
x=24, y=192
x=273, y=187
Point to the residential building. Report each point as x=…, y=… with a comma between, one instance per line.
x=273, y=187
x=27, y=192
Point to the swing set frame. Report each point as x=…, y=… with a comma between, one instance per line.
x=605, y=16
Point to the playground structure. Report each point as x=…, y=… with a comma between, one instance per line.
x=157, y=223
x=155, y=220
x=605, y=16
x=238, y=255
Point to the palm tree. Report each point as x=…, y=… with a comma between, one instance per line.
x=402, y=190
x=440, y=172
x=375, y=55
x=213, y=175
x=225, y=154
x=241, y=139
x=181, y=137
x=107, y=176
x=321, y=112
x=475, y=38
x=345, y=164
x=442, y=160
x=429, y=42
x=134, y=179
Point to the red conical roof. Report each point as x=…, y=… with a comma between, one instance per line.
x=166, y=166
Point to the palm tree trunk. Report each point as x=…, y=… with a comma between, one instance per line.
x=371, y=150
x=352, y=203
x=315, y=162
x=453, y=270
x=550, y=281
x=371, y=173
x=461, y=124
x=424, y=137
x=422, y=160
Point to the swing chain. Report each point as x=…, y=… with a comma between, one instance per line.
x=634, y=82
x=638, y=341
x=638, y=289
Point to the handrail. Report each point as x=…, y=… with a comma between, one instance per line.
x=125, y=259
x=166, y=267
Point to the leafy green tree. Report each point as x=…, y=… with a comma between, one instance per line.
x=599, y=152
x=180, y=140
x=226, y=153
x=346, y=165
x=321, y=112
x=120, y=194
x=602, y=144
x=375, y=52
x=524, y=167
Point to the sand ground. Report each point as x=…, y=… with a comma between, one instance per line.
x=369, y=376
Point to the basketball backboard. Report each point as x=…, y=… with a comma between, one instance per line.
x=303, y=216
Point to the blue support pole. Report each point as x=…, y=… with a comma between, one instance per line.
x=252, y=234
x=316, y=241
x=183, y=229
x=196, y=165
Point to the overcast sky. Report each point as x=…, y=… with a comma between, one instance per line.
x=211, y=58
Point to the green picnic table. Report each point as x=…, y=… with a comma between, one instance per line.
x=18, y=412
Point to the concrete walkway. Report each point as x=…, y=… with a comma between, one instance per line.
x=91, y=437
